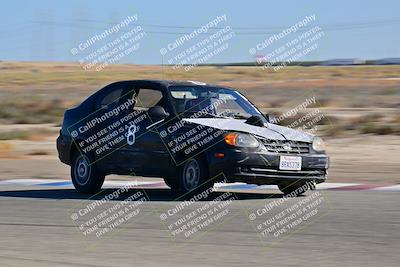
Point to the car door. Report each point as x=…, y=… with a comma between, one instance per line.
x=145, y=153
x=106, y=104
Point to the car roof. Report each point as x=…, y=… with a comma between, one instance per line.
x=167, y=83
x=163, y=84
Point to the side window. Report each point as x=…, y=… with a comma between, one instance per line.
x=147, y=98
x=110, y=99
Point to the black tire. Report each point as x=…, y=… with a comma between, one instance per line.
x=172, y=183
x=193, y=176
x=294, y=189
x=84, y=175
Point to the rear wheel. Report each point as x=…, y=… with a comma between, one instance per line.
x=297, y=188
x=84, y=175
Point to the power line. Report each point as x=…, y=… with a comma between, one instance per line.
x=366, y=23
x=238, y=30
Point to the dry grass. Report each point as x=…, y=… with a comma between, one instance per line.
x=6, y=149
x=32, y=109
x=14, y=74
x=34, y=93
x=34, y=134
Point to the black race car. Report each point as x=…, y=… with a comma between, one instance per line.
x=190, y=133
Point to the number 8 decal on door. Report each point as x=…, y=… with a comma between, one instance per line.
x=130, y=138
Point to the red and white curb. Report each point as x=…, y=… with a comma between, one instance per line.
x=218, y=186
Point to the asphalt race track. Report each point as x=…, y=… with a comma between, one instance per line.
x=351, y=228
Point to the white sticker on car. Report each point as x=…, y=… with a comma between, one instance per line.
x=130, y=137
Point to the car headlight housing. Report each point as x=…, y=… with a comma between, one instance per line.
x=318, y=144
x=241, y=140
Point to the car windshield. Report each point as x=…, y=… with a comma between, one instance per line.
x=211, y=101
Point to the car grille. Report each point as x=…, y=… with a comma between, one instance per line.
x=286, y=146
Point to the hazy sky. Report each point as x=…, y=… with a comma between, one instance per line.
x=48, y=30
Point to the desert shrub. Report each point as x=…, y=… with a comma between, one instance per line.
x=31, y=109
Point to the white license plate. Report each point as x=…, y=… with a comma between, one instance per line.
x=290, y=163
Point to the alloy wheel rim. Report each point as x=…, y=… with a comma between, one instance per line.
x=82, y=170
x=191, y=174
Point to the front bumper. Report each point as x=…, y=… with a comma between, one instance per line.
x=263, y=168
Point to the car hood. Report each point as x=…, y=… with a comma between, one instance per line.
x=270, y=131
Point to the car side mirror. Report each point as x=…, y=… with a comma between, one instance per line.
x=270, y=118
x=157, y=113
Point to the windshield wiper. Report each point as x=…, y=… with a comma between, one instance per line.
x=221, y=116
x=237, y=116
x=217, y=116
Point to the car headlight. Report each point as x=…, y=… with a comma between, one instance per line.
x=318, y=144
x=241, y=140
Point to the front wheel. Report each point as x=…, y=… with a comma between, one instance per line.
x=84, y=175
x=193, y=176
